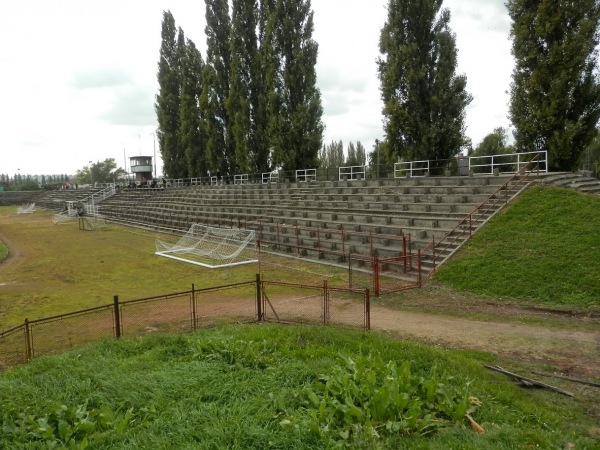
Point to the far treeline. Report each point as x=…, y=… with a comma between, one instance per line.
x=252, y=105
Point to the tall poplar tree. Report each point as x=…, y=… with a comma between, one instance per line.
x=216, y=81
x=192, y=129
x=296, y=127
x=242, y=95
x=424, y=100
x=555, y=95
x=168, y=97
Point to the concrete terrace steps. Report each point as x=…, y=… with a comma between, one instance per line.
x=325, y=221
x=578, y=181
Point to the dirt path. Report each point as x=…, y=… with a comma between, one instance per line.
x=572, y=351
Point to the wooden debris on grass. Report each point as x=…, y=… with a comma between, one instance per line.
x=529, y=382
x=564, y=377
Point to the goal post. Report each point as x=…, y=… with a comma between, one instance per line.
x=211, y=247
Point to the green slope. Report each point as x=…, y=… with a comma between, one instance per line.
x=544, y=248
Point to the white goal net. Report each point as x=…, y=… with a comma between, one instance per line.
x=211, y=247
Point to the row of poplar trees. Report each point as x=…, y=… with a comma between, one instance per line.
x=554, y=94
x=253, y=105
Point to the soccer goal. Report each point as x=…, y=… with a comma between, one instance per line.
x=211, y=247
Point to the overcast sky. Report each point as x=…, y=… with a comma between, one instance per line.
x=78, y=78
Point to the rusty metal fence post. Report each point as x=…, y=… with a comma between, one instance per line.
x=259, y=310
x=28, y=343
x=117, y=315
x=193, y=299
x=325, y=303
x=367, y=310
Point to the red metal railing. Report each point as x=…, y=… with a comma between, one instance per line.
x=439, y=251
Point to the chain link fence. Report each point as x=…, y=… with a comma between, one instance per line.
x=181, y=312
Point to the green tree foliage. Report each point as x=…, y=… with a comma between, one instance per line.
x=332, y=155
x=495, y=143
x=356, y=155
x=192, y=129
x=296, y=127
x=590, y=158
x=168, y=97
x=361, y=154
x=253, y=104
x=242, y=94
x=217, y=77
x=555, y=95
x=424, y=100
x=100, y=172
x=351, y=158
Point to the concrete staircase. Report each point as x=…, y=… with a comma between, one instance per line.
x=581, y=181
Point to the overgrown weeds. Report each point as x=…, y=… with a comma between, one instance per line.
x=267, y=386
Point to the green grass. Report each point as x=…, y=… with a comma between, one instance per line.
x=3, y=251
x=544, y=249
x=243, y=387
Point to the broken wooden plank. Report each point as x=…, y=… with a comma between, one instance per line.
x=530, y=381
x=564, y=377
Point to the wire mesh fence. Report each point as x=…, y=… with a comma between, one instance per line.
x=226, y=304
x=65, y=332
x=170, y=313
x=13, y=347
x=186, y=311
x=292, y=303
x=284, y=302
x=348, y=308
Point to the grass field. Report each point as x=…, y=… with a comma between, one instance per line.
x=250, y=386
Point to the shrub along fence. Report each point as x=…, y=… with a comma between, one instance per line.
x=179, y=312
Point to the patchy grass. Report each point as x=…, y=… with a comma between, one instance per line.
x=544, y=249
x=3, y=251
x=250, y=387
x=60, y=269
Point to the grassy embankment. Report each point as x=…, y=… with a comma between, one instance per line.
x=279, y=387
x=543, y=250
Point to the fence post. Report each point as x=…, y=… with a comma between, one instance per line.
x=325, y=302
x=367, y=310
x=117, y=314
x=194, y=322
x=404, y=251
x=375, y=263
x=28, y=343
x=419, y=268
x=259, y=298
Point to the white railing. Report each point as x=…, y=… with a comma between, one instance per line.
x=270, y=177
x=240, y=179
x=90, y=204
x=352, y=173
x=506, y=163
x=411, y=169
x=214, y=180
x=306, y=175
